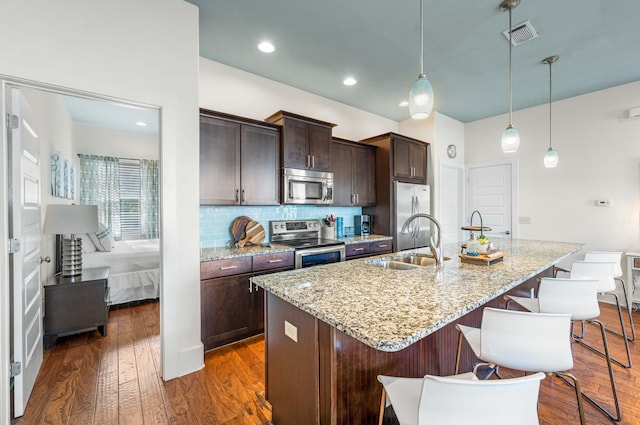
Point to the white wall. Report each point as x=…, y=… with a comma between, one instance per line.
x=599, y=150
x=143, y=51
x=93, y=140
x=230, y=90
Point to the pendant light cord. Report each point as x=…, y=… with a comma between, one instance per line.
x=421, y=37
x=510, y=67
x=550, y=104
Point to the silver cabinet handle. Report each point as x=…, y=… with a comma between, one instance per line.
x=242, y=198
x=276, y=261
x=237, y=193
x=358, y=249
x=382, y=245
x=250, y=285
x=228, y=267
x=313, y=161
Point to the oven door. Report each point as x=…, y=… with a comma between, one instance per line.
x=315, y=256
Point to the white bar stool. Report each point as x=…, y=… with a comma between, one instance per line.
x=580, y=299
x=529, y=342
x=616, y=258
x=461, y=400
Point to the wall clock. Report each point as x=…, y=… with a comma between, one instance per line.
x=451, y=151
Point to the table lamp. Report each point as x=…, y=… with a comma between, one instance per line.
x=71, y=220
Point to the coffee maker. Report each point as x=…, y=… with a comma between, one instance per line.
x=362, y=225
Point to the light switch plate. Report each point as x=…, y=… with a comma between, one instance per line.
x=291, y=331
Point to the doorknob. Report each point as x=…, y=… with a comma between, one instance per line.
x=46, y=259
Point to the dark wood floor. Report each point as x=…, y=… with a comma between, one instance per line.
x=88, y=379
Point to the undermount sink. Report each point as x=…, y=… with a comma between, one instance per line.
x=405, y=262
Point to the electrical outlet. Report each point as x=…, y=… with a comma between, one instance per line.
x=291, y=331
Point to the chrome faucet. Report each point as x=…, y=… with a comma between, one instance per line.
x=434, y=246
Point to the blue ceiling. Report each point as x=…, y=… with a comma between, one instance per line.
x=319, y=43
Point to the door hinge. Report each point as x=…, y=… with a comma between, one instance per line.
x=14, y=246
x=15, y=369
x=13, y=121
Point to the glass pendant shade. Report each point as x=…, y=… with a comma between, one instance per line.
x=551, y=158
x=421, y=98
x=510, y=139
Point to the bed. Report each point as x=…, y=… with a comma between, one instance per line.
x=135, y=269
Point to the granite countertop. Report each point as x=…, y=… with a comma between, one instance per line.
x=391, y=309
x=225, y=252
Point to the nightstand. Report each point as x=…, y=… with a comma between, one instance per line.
x=76, y=304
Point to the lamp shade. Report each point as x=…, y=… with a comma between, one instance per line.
x=421, y=98
x=71, y=219
x=510, y=139
x=551, y=158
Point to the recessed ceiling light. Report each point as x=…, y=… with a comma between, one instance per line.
x=403, y=104
x=266, y=47
x=349, y=81
x=141, y=124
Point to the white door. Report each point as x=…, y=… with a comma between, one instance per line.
x=490, y=192
x=450, y=214
x=24, y=225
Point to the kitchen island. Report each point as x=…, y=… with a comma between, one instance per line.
x=332, y=329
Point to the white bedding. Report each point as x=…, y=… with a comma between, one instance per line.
x=135, y=269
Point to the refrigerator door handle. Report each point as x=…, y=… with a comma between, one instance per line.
x=416, y=225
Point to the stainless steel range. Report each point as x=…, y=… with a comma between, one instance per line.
x=304, y=236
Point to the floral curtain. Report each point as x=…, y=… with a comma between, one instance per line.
x=149, y=201
x=100, y=185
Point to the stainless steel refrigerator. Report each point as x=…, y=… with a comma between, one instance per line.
x=412, y=199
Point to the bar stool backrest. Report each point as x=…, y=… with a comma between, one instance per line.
x=604, y=272
x=575, y=296
x=532, y=342
x=455, y=401
x=606, y=257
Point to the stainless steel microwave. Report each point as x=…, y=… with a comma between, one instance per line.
x=307, y=187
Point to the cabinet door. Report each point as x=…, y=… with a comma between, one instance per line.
x=295, y=140
x=320, y=147
x=364, y=175
x=341, y=161
x=259, y=166
x=228, y=303
x=402, y=159
x=219, y=161
x=419, y=162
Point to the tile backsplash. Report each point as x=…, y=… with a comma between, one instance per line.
x=215, y=221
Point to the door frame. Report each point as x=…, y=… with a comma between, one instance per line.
x=462, y=192
x=6, y=82
x=515, y=201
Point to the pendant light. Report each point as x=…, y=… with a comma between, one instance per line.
x=511, y=136
x=421, y=94
x=551, y=157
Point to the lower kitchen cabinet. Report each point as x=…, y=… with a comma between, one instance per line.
x=368, y=248
x=232, y=306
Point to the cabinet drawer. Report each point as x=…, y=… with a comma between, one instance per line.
x=381, y=246
x=357, y=249
x=272, y=261
x=228, y=267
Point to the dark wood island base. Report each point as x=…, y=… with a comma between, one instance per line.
x=316, y=374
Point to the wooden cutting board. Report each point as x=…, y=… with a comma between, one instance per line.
x=254, y=234
x=238, y=229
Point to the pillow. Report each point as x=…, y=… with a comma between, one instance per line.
x=87, y=244
x=102, y=239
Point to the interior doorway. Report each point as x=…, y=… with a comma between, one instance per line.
x=65, y=117
x=492, y=190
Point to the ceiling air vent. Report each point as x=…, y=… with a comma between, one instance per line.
x=521, y=33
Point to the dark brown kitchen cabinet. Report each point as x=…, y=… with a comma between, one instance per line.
x=232, y=306
x=239, y=161
x=406, y=158
x=305, y=142
x=353, y=167
x=368, y=248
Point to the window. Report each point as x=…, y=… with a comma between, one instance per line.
x=126, y=193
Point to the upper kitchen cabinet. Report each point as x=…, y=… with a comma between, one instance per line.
x=353, y=167
x=406, y=157
x=306, y=142
x=239, y=160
